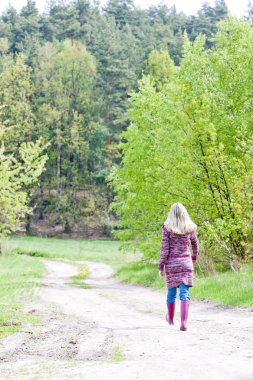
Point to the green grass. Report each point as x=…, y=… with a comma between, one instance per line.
x=79, y=278
x=117, y=355
x=235, y=289
x=94, y=250
x=19, y=281
x=226, y=288
x=229, y=288
x=141, y=273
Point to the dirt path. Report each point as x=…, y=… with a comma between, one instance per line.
x=116, y=331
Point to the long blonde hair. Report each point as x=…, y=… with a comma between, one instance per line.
x=178, y=220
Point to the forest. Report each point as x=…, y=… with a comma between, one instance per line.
x=110, y=114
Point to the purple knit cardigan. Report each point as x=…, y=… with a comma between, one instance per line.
x=177, y=258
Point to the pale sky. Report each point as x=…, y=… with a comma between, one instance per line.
x=236, y=7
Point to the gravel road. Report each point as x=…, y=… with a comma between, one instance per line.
x=116, y=331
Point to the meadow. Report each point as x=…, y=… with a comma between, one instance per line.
x=226, y=288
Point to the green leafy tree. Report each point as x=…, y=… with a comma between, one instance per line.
x=191, y=142
x=65, y=79
x=58, y=91
x=161, y=68
x=16, y=92
x=17, y=173
x=141, y=185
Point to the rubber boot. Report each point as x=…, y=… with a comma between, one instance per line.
x=171, y=307
x=184, y=314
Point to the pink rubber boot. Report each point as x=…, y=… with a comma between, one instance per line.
x=184, y=314
x=171, y=307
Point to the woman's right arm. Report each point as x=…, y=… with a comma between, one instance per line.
x=195, y=246
x=164, y=249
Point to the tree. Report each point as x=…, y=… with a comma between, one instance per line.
x=16, y=96
x=206, y=22
x=65, y=78
x=9, y=19
x=17, y=172
x=141, y=185
x=24, y=30
x=178, y=22
x=121, y=11
x=191, y=142
x=161, y=68
x=116, y=76
x=64, y=22
x=47, y=90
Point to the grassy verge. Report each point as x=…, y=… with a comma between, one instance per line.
x=228, y=288
x=140, y=273
x=19, y=281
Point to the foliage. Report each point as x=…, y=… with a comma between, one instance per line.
x=206, y=21
x=161, y=68
x=15, y=94
x=66, y=75
x=18, y=171
x=22, y=161
x=191, y=142
x=15, y=176
x=65, y=108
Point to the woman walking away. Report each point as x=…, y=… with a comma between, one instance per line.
x=179, y=232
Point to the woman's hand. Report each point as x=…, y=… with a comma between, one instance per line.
x=161, y=273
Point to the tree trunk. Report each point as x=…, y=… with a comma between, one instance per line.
x=58, y=171
x=67, y=228
x=28, y=225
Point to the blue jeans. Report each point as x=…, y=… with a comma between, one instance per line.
x=184, y=293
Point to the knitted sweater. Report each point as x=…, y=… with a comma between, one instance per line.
x=177, y=258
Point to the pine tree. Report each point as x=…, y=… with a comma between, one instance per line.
x=206, y=21
x=121, y=11
x=64, y=22
x=24, y=31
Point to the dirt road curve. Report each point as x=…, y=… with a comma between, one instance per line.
x=116, y=331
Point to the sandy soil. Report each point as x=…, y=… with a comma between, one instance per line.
x=116, y=331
